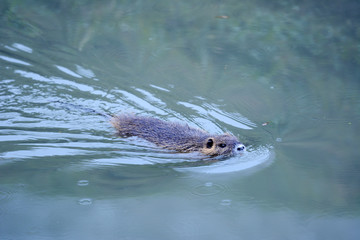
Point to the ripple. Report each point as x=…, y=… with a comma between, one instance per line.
x=43, y=152
x=228, y=118
x=60, y=81
x=14, y=60
x=140, y=102
x=159, y=88
x=7, y=192
x=150, y=97
x=68, y=71
x=208, y=189
x=4, y=195
x=22, y=47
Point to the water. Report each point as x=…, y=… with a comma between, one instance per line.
x=282, y=76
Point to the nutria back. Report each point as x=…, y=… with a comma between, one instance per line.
x=176, y=136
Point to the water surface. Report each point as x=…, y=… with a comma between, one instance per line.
x=282, y=76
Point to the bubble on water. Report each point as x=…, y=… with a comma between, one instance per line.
x=83, y=183
x=85, y=201
x=208, y=189
x=225, y=202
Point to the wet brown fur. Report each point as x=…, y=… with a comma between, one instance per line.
x=174, y=136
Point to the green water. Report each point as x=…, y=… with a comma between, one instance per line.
x=283, y=76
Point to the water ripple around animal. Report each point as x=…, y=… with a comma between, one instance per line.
x=249, y=160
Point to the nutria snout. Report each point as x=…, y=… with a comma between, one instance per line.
x=176, y=136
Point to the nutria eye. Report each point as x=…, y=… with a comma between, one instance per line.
x=222, y=145
x=209, y=143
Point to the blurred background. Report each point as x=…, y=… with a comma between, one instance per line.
x=283, y=76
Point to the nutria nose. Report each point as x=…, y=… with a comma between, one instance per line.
x=240, y=147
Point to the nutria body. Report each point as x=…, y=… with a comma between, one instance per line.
x=176, y=136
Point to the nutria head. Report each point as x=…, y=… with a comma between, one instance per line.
x=225, y=144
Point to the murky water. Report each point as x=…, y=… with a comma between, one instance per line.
x=283, y=77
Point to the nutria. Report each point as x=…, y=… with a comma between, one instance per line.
x=176, y=136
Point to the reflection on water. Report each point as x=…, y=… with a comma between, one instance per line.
x=282, y=76
x=13, y=60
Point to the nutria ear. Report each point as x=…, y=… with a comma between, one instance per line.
x=209, y=143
